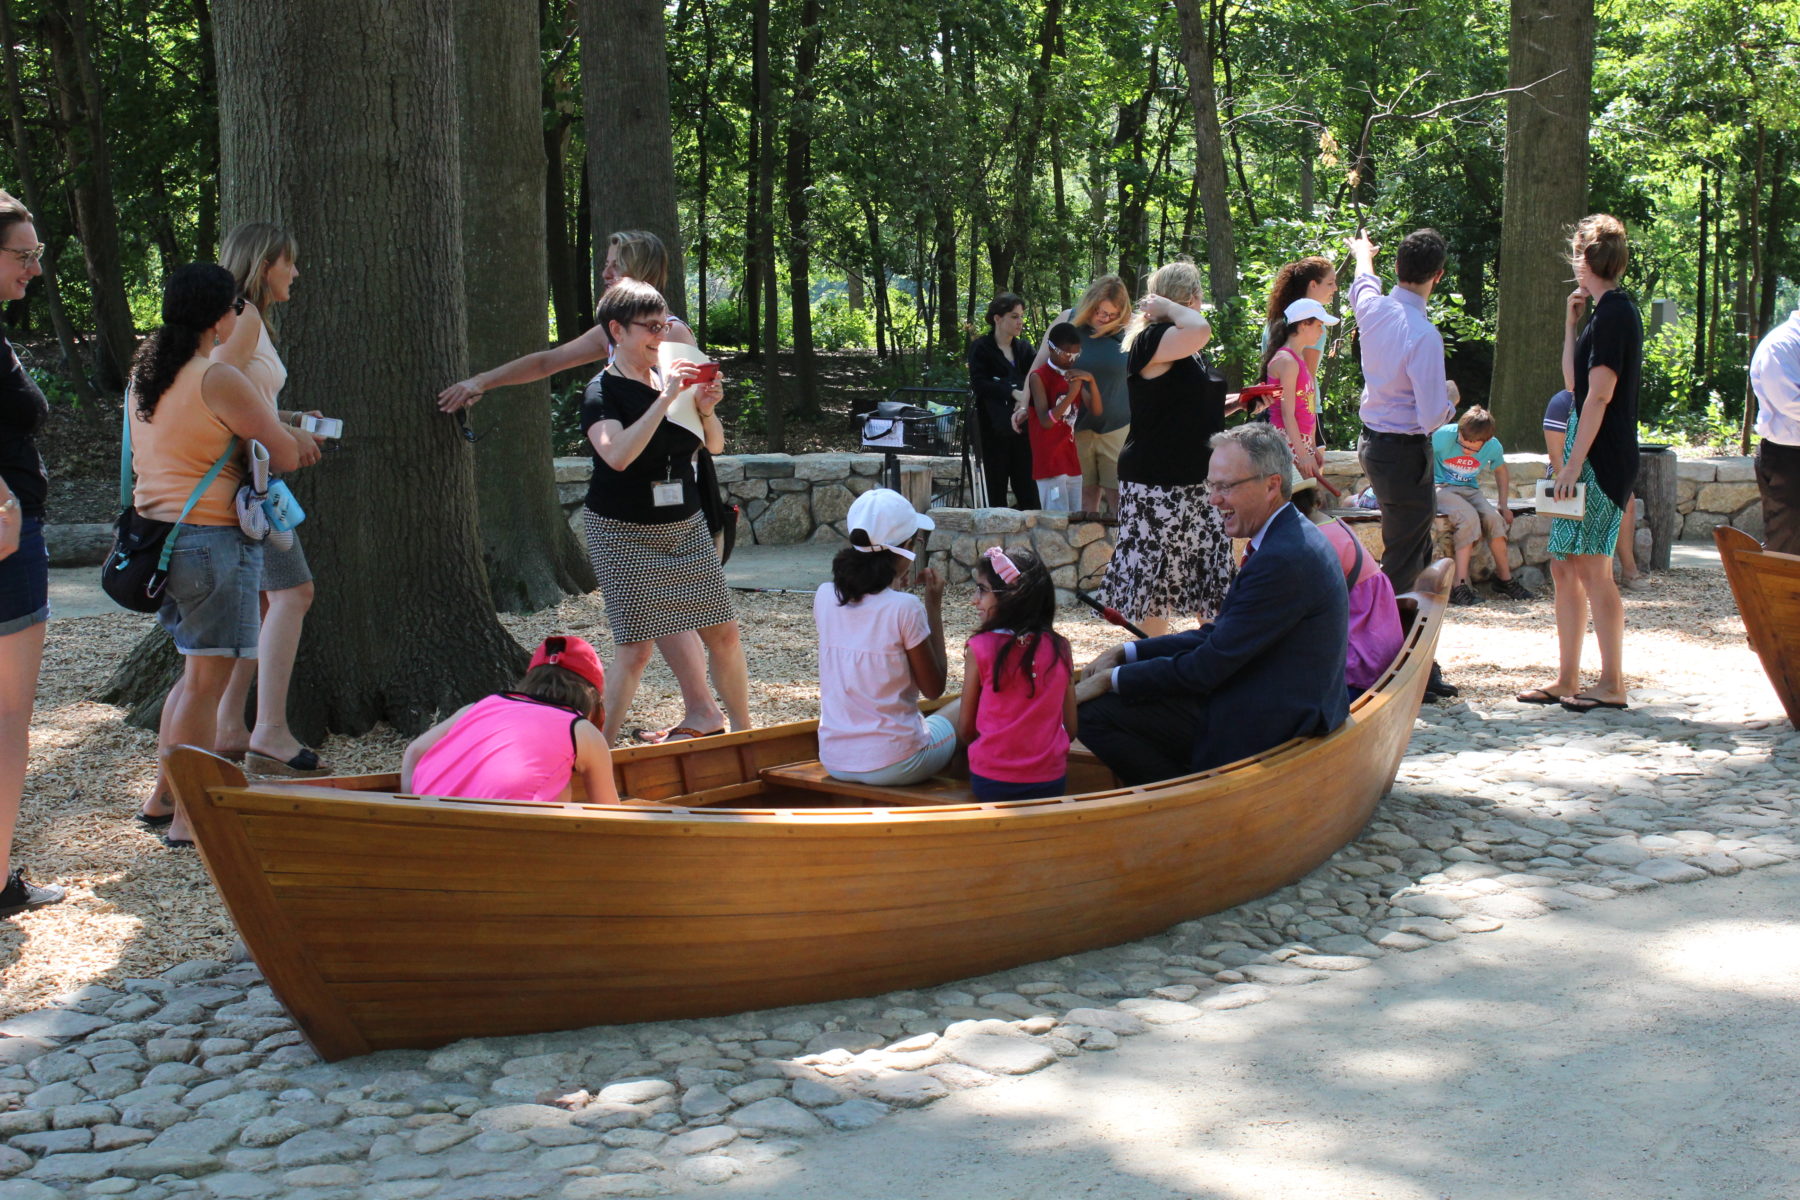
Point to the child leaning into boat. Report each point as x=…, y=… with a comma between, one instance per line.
x=526, y=744
x=880, y=649
x=1018, y=698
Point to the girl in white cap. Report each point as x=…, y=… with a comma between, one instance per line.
x=1295, y=412
x=880, y=649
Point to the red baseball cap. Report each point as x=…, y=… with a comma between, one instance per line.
x=571, y=654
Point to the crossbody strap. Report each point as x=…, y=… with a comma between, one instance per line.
x=125, y=456
x=206, y=480
x=1356, y=568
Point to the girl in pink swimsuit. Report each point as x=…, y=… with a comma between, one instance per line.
x=525, y=745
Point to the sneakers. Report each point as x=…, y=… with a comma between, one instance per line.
x=1463, y=594
x=19, y=895
x=1437, y=685
x=1512, y=589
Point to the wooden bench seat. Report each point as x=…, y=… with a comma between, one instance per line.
x=810, y=776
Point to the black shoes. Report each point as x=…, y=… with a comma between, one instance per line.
x=1512, y=589
x=1438, y=686
x=21, y=895
x=1464, y=595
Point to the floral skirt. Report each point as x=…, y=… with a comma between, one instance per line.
x=1598, y=530
x=1172, y=557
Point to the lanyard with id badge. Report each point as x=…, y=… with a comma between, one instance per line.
x=668, y=492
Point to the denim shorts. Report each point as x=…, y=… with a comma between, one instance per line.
x=210, y=602
x=918, y=767
x=25, y=581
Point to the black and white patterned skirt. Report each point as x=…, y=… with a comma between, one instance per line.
x=657, y=579
x=1172, y=557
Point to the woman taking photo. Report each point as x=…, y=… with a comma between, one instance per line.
x=24, y=560
x=1172, y=556
x=997, y=362
x=1601, y=367
x=1100, y=316
x=189, y=413
x=646, y=535
x=633, y=254
x=262, y=260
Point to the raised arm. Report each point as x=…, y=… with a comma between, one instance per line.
x=529, y=368
x=930, y=671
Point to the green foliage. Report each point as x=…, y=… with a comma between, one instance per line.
x=836, y=326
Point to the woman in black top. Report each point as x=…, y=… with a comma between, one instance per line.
x=1601, y=367
x=1172, y=554
x=24, y=562
x=647, y=538
x=997, y=362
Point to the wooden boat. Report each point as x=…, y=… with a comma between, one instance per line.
x=1766, y=586
x=738, y=876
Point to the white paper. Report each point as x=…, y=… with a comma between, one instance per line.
x=682, y=411
x=259, y=466
x=1550, y=506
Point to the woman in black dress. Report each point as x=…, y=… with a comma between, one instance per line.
x=997, y=362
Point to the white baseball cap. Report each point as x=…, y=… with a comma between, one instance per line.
x=1307, y=309
x=888, y=518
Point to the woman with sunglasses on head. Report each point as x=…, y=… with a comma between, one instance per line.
x=24, y=561
x=631, y=254
x=189, y=415
x=646, y=535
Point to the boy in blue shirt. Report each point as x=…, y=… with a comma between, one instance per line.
x=1459, y=452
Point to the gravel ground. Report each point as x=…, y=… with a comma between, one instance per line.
x=158, y=1063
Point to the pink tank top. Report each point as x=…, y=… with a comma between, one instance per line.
x=506, y=747
x=1306, y=419
x=1021, y=734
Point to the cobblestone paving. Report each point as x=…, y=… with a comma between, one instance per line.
x=195, y=1083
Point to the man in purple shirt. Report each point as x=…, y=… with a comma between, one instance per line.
x=1404, y=399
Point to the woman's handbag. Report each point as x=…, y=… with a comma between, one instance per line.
x=138, y=565
x=721, y=518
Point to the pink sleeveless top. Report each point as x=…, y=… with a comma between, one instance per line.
x=506, y=747
x=1306, y=401
x=1021, y=738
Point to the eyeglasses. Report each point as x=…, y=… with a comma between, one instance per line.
x=656, y=328
x=237, y=306
x=1219, y=489
x=26, y=254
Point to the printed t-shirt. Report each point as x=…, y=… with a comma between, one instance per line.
x=1452, y=465
x=868, y=704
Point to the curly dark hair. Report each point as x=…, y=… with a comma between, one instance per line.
x=194, y=299
x=1292, y=281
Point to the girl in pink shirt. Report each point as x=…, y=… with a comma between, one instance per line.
x=1018, y=699
x=526, y=744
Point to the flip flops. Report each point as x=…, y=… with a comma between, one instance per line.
x=662, y=737
x=1585, y=703
x=1538, y=696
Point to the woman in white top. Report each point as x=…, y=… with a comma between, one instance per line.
x=640, y=255
x=880, y=649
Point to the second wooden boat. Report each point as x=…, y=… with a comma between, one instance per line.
x=739, y=876
x=1766, y=586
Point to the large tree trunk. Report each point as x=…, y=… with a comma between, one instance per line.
x=561, y=262
x=403, y=627
x=532, y=558
x=1010, y=242
x=1545, y=193
x=89, y=165
x=799, y=187
x=206, y=221
x=763, y=218
x=630, y=139
x=1209, y=150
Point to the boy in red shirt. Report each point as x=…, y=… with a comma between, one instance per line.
x=1056, y=392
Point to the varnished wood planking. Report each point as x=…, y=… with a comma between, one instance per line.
x=1766, y=586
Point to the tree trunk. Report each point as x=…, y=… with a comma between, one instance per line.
x=1060, y=201
x=1755, y=242
x=702, y=128
x=560, y=259
x=206, y=235
x=403, y=627
x=1013, y=239
x=763, y=215
x=799, y=187
x=1697, y=393
x=1209, y=150
x=89, y=165
x=1133, y=185
x=532, y=557
x=630, y=136
x=584, y=253
x=750, y=301
x=1545, y=192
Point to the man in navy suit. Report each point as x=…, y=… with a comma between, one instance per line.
x=1269, y=668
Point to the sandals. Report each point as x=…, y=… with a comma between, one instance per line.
x=1538, y=696
x=680, y=733
x=305, y=764
x=1585, y=703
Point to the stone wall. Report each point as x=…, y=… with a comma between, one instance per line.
x=1073, y=551
x=1710, y=492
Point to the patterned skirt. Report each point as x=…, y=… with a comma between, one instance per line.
x=657, y=579
x=1172, y=557
x=1598, y=530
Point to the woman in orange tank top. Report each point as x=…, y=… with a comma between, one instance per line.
x=187, y=410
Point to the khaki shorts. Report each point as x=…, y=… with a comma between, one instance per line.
x=1472, y=517
x=1099, y=455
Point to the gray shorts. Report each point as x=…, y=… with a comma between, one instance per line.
x=211, y=603
x=284, y=569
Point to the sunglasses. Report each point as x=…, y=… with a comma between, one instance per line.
x=237, y=306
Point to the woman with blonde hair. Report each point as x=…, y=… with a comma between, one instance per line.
x=637, y=254
x=1100, y=316
x=1601, y=366
x=1172, y=555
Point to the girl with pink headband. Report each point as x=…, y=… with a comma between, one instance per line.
x=1018, y=700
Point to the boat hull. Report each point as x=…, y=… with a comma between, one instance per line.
x=386, y=920
x=1766, y=586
